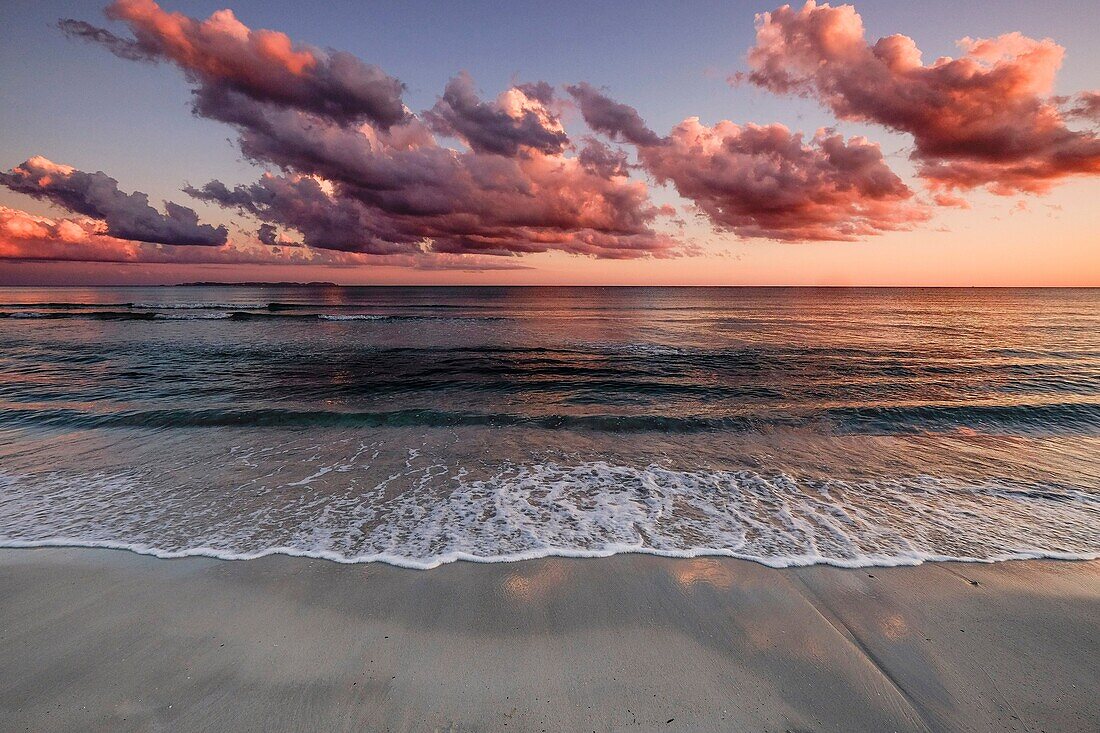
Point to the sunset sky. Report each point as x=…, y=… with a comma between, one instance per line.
x=724, y=143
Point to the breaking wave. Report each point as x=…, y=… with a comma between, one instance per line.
x=591, y=509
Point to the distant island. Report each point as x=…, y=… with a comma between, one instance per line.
x=206, y=284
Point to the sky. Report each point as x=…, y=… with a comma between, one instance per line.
x=724, y=143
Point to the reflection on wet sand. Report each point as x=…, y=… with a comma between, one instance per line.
x=702, y=571
x=533, y=582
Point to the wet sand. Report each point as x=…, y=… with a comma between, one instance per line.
x=102, y=640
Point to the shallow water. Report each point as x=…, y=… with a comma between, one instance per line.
x=422, y=425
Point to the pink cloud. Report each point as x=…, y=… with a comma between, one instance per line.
x=223, y=53
x=353, y=175
x=765, y=181
x=1085, y=106
x=358, y=177
x=24, y=236
x=125, y=215
x=29, y=238
x=985, y=118
x=519, y=119
x=358, y=188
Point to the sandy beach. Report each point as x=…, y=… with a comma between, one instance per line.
x=103, y=640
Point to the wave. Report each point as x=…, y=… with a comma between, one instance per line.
x=199, y=306
x=360, y=317
x=91, y=315
x=191, y=316
x=54, y=305
x=592, y=509
x=230, y=315
x=1059, y=418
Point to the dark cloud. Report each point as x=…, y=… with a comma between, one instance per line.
x=126, y=48
x=617, y=121
x=325, y=221
x=222, y=53
x=540, y=91
x=985, y=118
x=127, y=215
x=1085, y=106
x=765, y=181
x=268, y=234
x=519, y=120
x=359, y=177
x=399, y=189
x=603, y=160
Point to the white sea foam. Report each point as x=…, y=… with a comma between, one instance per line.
x=357, y=317
x=403, y=561
x=210, y=306
x=429, y=515
x=191, y=316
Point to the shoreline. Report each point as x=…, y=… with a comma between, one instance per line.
x=407, y=563
x=111, y=640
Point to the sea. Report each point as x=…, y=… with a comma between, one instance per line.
x=420, y=426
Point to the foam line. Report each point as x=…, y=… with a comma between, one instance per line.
x=871, y=561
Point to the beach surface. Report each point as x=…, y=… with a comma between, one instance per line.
x=104, y=640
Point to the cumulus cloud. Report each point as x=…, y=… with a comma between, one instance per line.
x=269, y=234
x=325, y=221
x=456, y=203
x=520, y=119
x=357, y=188
x=765, y=181
x=223, y=53
x=985, y=118
x=614, y=119
x=127, y=215
x=26, y=237
x=356, y=178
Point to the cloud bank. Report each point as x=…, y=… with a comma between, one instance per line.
x=353, y=176
x=26, y=237
x=357, y=177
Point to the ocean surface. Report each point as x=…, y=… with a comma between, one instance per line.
x=418, y=426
